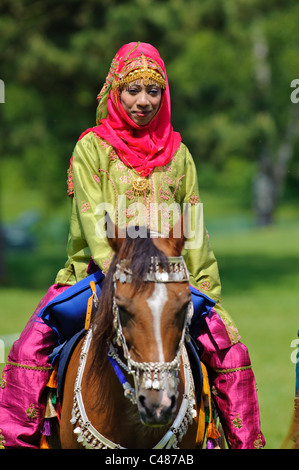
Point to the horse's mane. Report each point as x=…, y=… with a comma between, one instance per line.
x=138, y=252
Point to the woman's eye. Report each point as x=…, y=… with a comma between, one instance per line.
x=153, y=92
x=132, y=91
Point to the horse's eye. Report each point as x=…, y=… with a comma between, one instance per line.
x=124, y=315
x=184, y=308
x=182, y=312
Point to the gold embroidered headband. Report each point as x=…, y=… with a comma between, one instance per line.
x=140, y=68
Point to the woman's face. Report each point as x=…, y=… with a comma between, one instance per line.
x=141, y=102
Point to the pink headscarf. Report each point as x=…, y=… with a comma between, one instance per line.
x=141, y=147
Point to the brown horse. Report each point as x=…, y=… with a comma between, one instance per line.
x=129, y=382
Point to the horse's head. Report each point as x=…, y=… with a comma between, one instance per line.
x=151, y=303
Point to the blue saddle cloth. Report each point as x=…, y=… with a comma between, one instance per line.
x=65, y=314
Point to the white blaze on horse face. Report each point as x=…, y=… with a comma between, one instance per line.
x=156, y=303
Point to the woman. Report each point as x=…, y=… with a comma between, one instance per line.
x=133, y=163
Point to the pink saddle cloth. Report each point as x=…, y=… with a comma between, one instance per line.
x=23, y=385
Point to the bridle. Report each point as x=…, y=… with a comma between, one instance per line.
x=155, y=374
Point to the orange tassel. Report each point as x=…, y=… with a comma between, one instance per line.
x=212, y=431
x=44, y=444
x=52, y=383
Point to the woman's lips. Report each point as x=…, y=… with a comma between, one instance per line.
x=142, y=113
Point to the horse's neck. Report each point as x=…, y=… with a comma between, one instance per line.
x=106, y=389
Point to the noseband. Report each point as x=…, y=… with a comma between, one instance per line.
x=155, y=375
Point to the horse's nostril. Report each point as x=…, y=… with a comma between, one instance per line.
x=142, y=401
x=173, y=402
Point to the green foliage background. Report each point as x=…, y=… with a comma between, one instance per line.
x=54, y=58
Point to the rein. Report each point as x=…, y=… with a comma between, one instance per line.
x=155, y=374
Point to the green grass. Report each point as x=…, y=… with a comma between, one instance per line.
x=260, y=279
x=28, y=275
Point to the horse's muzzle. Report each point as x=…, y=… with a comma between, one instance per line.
x=156, y=407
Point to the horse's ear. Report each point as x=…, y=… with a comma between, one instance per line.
x=115, y=235
x=177, y=236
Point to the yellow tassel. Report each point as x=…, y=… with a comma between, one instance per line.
x=212, y=431
x=206, y=384
x=200, y=424
x=44, y=444
x=201, y=412
x=89, y=305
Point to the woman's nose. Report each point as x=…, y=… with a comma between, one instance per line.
x=142, y=99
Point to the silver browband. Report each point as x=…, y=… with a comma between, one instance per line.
x=177, y=271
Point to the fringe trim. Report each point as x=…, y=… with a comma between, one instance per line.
x=25, y=366
x=228, y=371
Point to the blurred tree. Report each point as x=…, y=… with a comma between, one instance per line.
x=278, y=146
x=230, y=66
x=232, y=80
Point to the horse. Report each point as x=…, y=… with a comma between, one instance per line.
x=129, y=382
